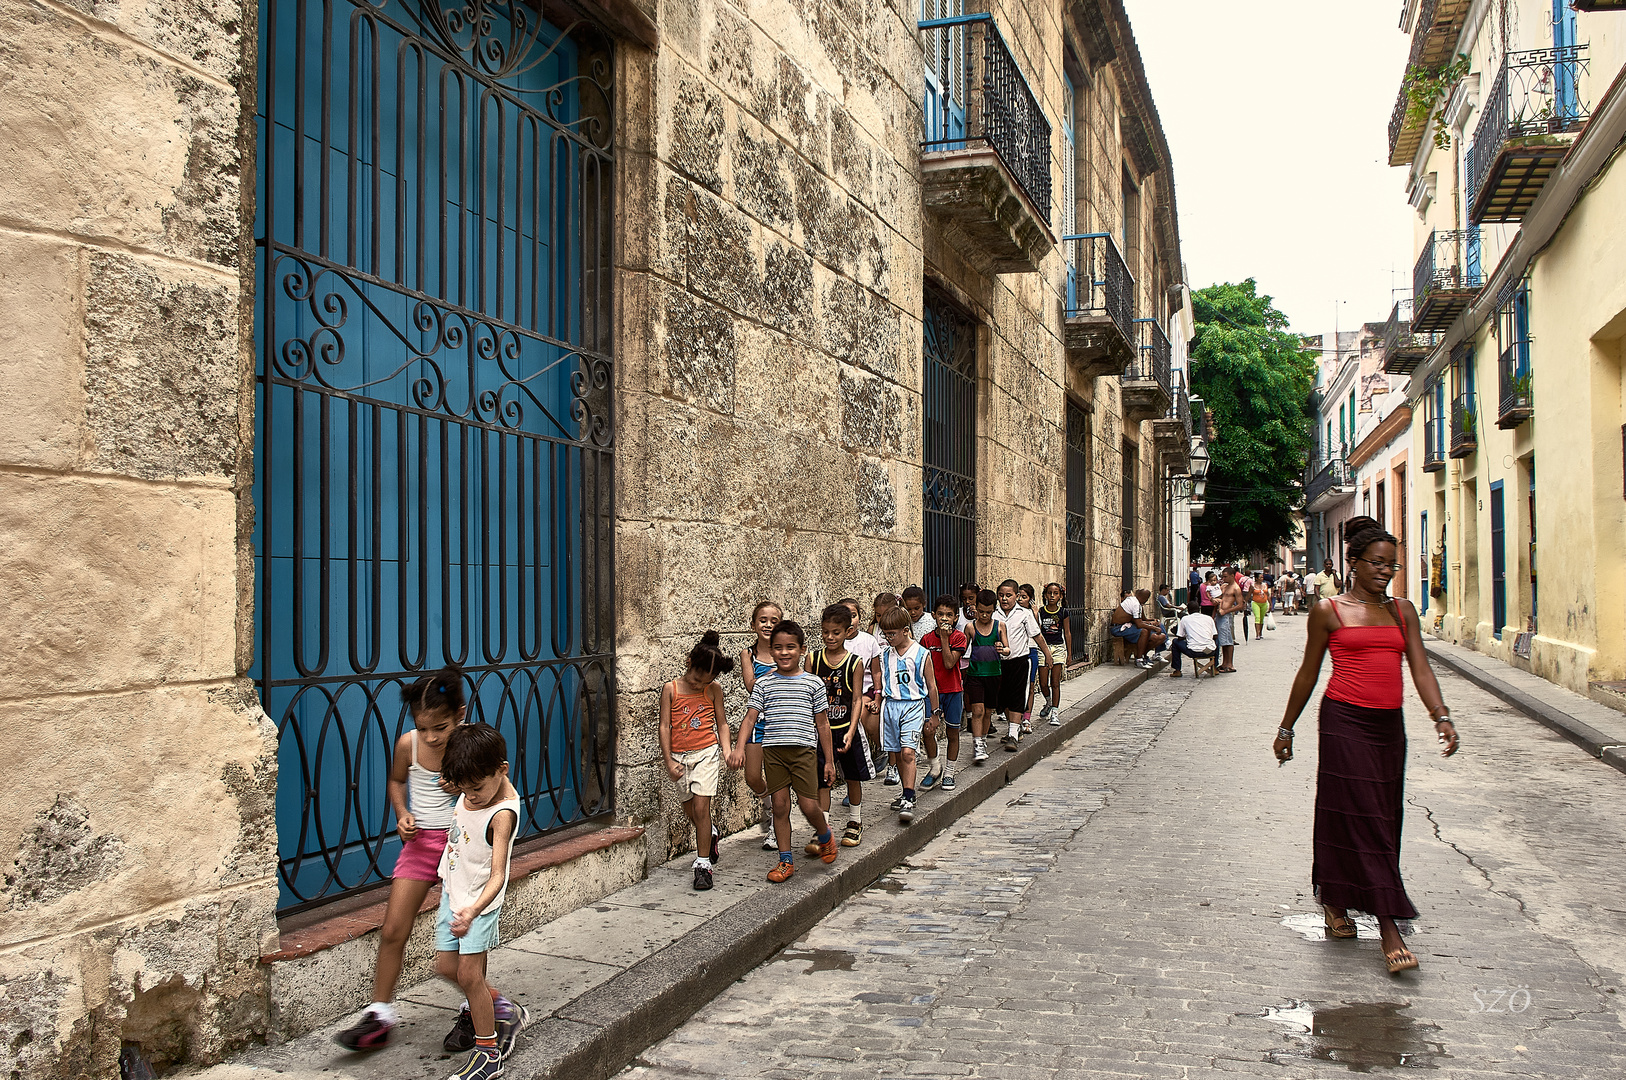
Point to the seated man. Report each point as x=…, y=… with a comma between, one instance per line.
x=1194, y=637
x=1130, y=622
x=1168, y=612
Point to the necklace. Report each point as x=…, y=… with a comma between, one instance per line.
x=1369, y=603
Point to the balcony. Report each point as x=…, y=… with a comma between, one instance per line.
x=1100, y=330
x=1171, y=432
x=1332, y=485
x=1403, y=349
x=1433, y=42
x=1446, y=278
x=1464, y=425
x=1513, y=380
x=1147, y=389
x=985, y=157
x=1434, y=444
x=1526, y=125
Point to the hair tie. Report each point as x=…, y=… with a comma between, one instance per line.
x=440, y=688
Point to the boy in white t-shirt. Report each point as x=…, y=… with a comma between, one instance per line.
x=866, y=648
x=904, y=673
x=1021, y=629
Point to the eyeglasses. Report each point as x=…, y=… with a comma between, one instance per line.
x=1391, y=566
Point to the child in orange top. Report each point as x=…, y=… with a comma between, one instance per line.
x=692, y=743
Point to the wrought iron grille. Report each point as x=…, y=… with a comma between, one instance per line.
x=1434, y=427
x=1449, y=261
x=1513, y=373
x=1078, y=508
x=1536, y=94
x=950, y=444
x=433, y=459
x=1464, y=425
x=1128, y=521
x=1098, y=281
x=1152, y=358
x=1180, y=409
x=976, y=95
x=1334, y=474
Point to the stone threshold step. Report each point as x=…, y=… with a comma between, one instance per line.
x=607, y=980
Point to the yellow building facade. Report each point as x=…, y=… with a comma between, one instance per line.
x=1513, y=336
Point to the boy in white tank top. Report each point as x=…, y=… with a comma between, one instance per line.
x=474, y=881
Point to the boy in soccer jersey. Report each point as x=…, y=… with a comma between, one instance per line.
x=903, y=672
x=843, y=675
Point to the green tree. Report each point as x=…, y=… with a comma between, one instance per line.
x=1256, y=377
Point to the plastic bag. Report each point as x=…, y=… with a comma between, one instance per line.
x=1270, y=621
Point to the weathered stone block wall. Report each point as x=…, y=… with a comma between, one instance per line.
x=769, y=348
x=137, y=880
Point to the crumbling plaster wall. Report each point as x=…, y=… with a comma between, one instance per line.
x=137, y=861
x=768, y=404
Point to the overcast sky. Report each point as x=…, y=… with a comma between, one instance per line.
x=1277, y=116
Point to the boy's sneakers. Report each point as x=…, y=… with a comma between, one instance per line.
x=853, y=836
x=483, y=1064
x=979, y=751
x=511, y=1020
x=827, y=850
x=461, y=1037
x=1055, y=716
x=927, y=779
x=782, y=871
x=1010, y=744
x=702, y=878
x=769, y=843
x=371, y=1032
x=716, y=853
x=891, y=776
x=948, y=782
x=906, y=810
x=1027, y=724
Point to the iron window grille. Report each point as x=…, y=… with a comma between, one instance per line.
x=1514, y=375
x=949, y=472
x=434, y=437
x=1078, y=508
x=1153, y=357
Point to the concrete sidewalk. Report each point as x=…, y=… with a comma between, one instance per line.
x=608, y=980
x=1595, y=728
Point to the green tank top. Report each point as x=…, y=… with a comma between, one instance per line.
x=984, y=653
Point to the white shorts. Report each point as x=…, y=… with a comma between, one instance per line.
x=701, y=771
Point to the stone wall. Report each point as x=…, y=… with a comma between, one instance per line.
x=137, y=885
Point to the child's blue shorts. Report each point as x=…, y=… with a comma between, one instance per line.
x=953, y=706
x=482, y=935
x=901, y=722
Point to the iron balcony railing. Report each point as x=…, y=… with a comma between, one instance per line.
x=976, y=96
x=1536, y=96
x=1449, y=260
x=1464, y=425
x=1403, y=347
x=1513, y=379
x=1098, y=281
x=1334, y=474
x=1180, y=409
x=1434, y=443
x=1152, y=358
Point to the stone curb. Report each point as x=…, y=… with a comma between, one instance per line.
x=602, y=1031
x=1547, y=714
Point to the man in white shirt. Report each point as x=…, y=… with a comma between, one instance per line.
x=1194, y=637
x=1325, y=584
x=1130, y=623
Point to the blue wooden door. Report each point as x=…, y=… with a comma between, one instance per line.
x=432, y=442
x=946, y=75
x=1498, y=529
x=1566, y=100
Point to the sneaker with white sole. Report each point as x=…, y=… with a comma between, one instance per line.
x=948, y=782
x=906, y=810
x=483, y=1064
x=511, y=1020
x=1055, y=718
x=979, y=751
x=1027, y=725
x=927, y=779
x=891, y=776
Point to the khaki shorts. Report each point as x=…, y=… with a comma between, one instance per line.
x=794, y=767
x=1057, y=652
x=701, y=771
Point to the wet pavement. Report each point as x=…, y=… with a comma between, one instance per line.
x=1139, y=905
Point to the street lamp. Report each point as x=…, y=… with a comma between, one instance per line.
x=1199, y=456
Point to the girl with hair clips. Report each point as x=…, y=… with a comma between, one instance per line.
x=756, y=660
x=693, y=732
x=1360, y=785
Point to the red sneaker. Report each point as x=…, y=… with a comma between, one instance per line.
x=781, y=871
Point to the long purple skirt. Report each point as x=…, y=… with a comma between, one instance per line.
x=1358, y=804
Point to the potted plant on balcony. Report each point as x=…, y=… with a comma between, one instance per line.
x=1465, y=421
x=1521, y=390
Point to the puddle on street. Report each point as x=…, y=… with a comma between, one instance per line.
x=822, y=959
x=1361, y=1037
x=1314, y=927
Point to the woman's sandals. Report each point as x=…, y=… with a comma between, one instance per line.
x=1400, y=960
x=1338, y=926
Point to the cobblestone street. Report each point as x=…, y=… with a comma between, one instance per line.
x=1139, y=905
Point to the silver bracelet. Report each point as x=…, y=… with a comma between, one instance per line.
x=1284, y=733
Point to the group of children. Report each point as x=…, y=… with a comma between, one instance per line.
x=810, y=722
x=812, y=717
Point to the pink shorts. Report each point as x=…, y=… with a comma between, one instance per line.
x=420, y=857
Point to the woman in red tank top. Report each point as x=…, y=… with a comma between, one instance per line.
x=1362, y=749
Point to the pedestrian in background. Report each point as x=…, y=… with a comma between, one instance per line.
x=1229, y=603
x=1360, y=783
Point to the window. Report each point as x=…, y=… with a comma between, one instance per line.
x=1383, y=512
x=949, y=422
x=1078, y=504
